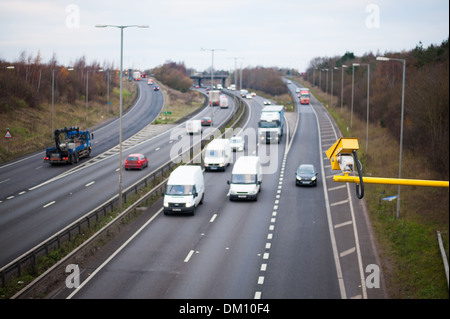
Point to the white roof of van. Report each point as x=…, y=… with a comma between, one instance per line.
x=245, y=165
x=218, y=142
x=184, y=175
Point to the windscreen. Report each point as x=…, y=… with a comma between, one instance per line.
x=243, y=178
x=214, y=153
x=180, y=190
x=264, y=124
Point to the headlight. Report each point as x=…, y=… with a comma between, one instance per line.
x=166, y=204
x=314, y=178
x=299, y=178
x=188, y=204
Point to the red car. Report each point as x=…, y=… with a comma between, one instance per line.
x=136, y=161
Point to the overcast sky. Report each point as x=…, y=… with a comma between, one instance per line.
x=283, y=33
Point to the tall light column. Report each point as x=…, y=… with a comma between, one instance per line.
x=382, y=58
x=121, y=27
x=212, y=75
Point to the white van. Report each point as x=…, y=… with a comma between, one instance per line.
x=223, y=102
x=194, y=127
x=217, y=154
x=246, y=178
x=184, y=190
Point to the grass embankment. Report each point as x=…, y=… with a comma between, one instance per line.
x=31, y=128
x=408, y=246
x=179, y=105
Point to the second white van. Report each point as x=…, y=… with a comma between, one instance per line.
x=246, y=178
x=185, y=190
x=217, y=154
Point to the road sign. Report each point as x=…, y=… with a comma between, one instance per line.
x=8, y=134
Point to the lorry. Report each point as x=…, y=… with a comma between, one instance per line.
x=243, y=93
x=223, y=101
x=194, y=127
x=304, y=96
x=137, y=76
x=246, y=178
x=71, y=144
x=184, y=190
x=271, y=124
x=214, y=98
x=217, y=154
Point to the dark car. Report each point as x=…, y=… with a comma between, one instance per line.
x=136, y=161
x=306, y=174
x=206, y=121
x=156, y=88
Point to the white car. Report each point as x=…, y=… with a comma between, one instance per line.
x=267, y=102
x=237, y=143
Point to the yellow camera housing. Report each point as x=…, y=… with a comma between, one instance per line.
x=342, y=147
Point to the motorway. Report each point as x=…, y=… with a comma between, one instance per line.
x=293, y=242
x=54, y=196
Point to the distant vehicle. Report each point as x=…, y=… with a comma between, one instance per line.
x=150, y=82
x=217, y=154
x=267, y=102
x=223, y=101
x=206, y=121
x=237, y=143
x=271, y=124
x=306, y=174
x=304, y=96
x=219, y=87
x=194, y=127
x=232, y=87
x=69, y=148
x=137, y=76
x=136, y=161
x=253, y=94
x=214, y=98
x=244, y=93
x=297, y=90
x=248, y=96
x=246, y=178
x=156, y=88
x=185, y=190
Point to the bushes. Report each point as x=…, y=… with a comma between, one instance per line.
x=173, y=75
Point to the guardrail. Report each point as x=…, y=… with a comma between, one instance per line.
x=29, y=258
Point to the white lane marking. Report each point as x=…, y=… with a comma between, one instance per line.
x=343, y=224
x=257, y=295
x=213, y=218
x=49, y=204
x=89, y=184
x=347, y=252
x=189, y=255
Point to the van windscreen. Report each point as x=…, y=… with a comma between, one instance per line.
x=181, y=190
x=243, y=178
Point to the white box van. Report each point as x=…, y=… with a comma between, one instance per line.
x=194, y=127
x=217, y=154
x=185, y=190
x=246, y=178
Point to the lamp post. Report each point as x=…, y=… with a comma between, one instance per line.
x=368, y=94
x=53, y=97
x=382, y=58
x=353, y=89
x=212, y=75
x=121, y=27
x=87, y=91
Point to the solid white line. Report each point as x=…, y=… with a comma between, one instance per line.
x=189, y=255
x=337, y=263
x=49, y=204
x=114, y=254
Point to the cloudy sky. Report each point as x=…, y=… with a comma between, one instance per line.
x=283, y=33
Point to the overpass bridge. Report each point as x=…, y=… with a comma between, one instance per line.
x=200, y=77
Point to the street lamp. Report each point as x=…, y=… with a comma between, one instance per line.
x=87, y=91
x=53, y=96
x=382, y=58
x=121, y=27
x=368, y=90
x=212, y=75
